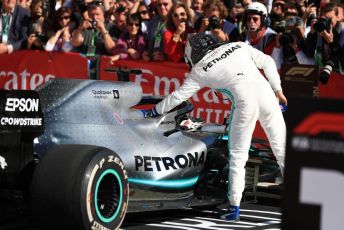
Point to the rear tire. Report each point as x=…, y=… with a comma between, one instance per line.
x=80, y=187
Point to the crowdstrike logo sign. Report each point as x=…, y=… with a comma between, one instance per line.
x=19, y=121
x=22, y=104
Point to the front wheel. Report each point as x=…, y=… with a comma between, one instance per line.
x=80, y=187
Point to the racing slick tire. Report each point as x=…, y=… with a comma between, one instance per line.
x=79, y=187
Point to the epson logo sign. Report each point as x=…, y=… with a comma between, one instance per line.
x=22, y=104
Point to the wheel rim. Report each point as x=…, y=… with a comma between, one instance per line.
x=108, y=195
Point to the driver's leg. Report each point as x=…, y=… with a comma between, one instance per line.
x=243, y=122
x=272, y=121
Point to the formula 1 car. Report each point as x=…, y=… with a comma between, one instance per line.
x=99, y=158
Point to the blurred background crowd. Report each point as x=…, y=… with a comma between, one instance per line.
x=291, y=31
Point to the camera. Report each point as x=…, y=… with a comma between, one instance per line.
x=286, y=39
x=326, y=71
x=214, y=23
x=120, y=9
x=41, y=38
x=323, y=24
x=94, y=24
x=280, y=26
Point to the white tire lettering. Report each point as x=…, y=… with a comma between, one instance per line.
x=89, y=193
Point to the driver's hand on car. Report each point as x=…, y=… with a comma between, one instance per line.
x=151, y=113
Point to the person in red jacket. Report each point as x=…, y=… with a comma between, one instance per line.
x=178, y=26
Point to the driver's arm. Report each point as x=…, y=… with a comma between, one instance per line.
x=266, y=63
x=189, y=88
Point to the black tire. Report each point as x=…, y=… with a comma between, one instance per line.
x=80, y=187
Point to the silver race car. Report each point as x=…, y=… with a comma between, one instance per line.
x=98, y=158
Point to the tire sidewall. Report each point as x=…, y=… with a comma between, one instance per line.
x=103, y=163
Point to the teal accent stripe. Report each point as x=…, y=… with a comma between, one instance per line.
x=101, y=217
x=225, y=138
x=231, y=96
x=181, y=183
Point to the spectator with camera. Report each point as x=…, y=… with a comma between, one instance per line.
x=257, y=31
x=36, y=39
x=325, y=42
x=40, y=21
x=157, y=25
x=214, y=22
x=13, y=26
x=178, y=26
x=130, y=44
x=95, y=36
x=289, y=43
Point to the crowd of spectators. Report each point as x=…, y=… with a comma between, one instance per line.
x=291, y=31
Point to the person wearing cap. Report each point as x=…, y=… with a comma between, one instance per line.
x=233, y=69
x=257, y=32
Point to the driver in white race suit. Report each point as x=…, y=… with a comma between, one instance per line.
x=232, y=68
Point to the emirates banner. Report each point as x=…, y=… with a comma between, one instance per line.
x=28, y=69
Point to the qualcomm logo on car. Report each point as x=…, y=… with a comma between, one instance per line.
x=153, y=163
x=3, y=163
x=104, y=93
